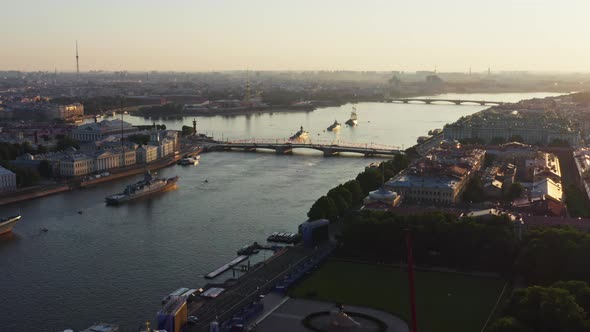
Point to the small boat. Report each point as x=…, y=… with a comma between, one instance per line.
x=335, y=126
x=44, y=229
x=6, y=224
x=189, y=161
x=301, y=135
x=353, y=121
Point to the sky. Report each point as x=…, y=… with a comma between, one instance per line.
x=211, y=35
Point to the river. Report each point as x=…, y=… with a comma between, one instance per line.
x=114, y=264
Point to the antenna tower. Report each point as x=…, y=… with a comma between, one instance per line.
x=77, y=61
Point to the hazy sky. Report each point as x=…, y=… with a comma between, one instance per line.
x=203, y=35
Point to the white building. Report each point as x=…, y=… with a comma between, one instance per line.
x=76, y=165
x=7, y=180
x=91, y=132
x=106, y=159
x=147, y=154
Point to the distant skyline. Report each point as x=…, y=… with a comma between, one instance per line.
x=207, y=35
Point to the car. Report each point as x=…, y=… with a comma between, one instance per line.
x=192, y=320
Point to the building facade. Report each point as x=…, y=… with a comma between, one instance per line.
x=92, y=132
x=7, y=180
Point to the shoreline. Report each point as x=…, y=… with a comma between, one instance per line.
x=77, y=185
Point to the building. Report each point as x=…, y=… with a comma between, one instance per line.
x=544, y=165
x=382, y=195
x=146, y=154
x=7, y=180
x=166, y=142
x=73, y=165
x=92, y=132
x=106, y=160
x=67, y=111
x=128, y=157
x=531, y=126
x=439, y=178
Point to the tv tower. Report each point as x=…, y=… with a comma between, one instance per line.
x=77, y=61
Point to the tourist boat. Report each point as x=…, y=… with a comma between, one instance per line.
x=7, y=223
x=300, y=135
x=335, y=126
x=353, y=121
x=143, y=188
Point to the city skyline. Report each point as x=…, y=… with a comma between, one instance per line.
x=265, y=35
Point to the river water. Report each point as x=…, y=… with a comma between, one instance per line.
x=114, y=264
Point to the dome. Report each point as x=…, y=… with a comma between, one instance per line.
x=382, y=194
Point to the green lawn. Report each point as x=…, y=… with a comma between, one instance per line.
x=445, y=301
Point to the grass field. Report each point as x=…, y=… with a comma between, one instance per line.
x=445, y=301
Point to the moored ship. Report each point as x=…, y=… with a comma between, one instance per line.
x=335, y=126
x=6, y=224
x=353, y=121
x=301, y=135
x=143, y=188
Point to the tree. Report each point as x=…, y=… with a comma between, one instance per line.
x=65, y=143
x=45, y=169
x=546, y=309
x=323, y=208
x=489, y=159
x=579, y=289
x=497, y=140
x=369, y=180
x=355, y=190
x=187, y=130
x=507, y=324
x=139, y=139
x=474, y=191
x=512, y=192
x=559, y=142
x=41, y=149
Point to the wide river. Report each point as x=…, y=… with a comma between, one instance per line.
x=114, y=264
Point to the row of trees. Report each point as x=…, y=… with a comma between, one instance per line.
x=562, y=307
x=552, y=254
x=440, y=239
x=343, y=197
x=337, y=202
x=24, y=176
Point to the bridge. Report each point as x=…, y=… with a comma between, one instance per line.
x=452, y=101
x=329, y=148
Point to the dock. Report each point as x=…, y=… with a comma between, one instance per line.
x=226, y=267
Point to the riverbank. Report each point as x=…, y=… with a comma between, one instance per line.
x=31, y=193
x=46, y=190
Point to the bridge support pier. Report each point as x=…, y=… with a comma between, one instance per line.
x=330, y=153
x=457, y=102
x=283, y=150
x=405, y=101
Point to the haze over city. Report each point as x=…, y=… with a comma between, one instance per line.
x=295, y=166
x=140, y=35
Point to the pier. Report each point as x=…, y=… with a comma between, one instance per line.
x=226, y=267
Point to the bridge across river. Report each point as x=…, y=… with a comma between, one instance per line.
x=329, y=148
x=453, y=101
